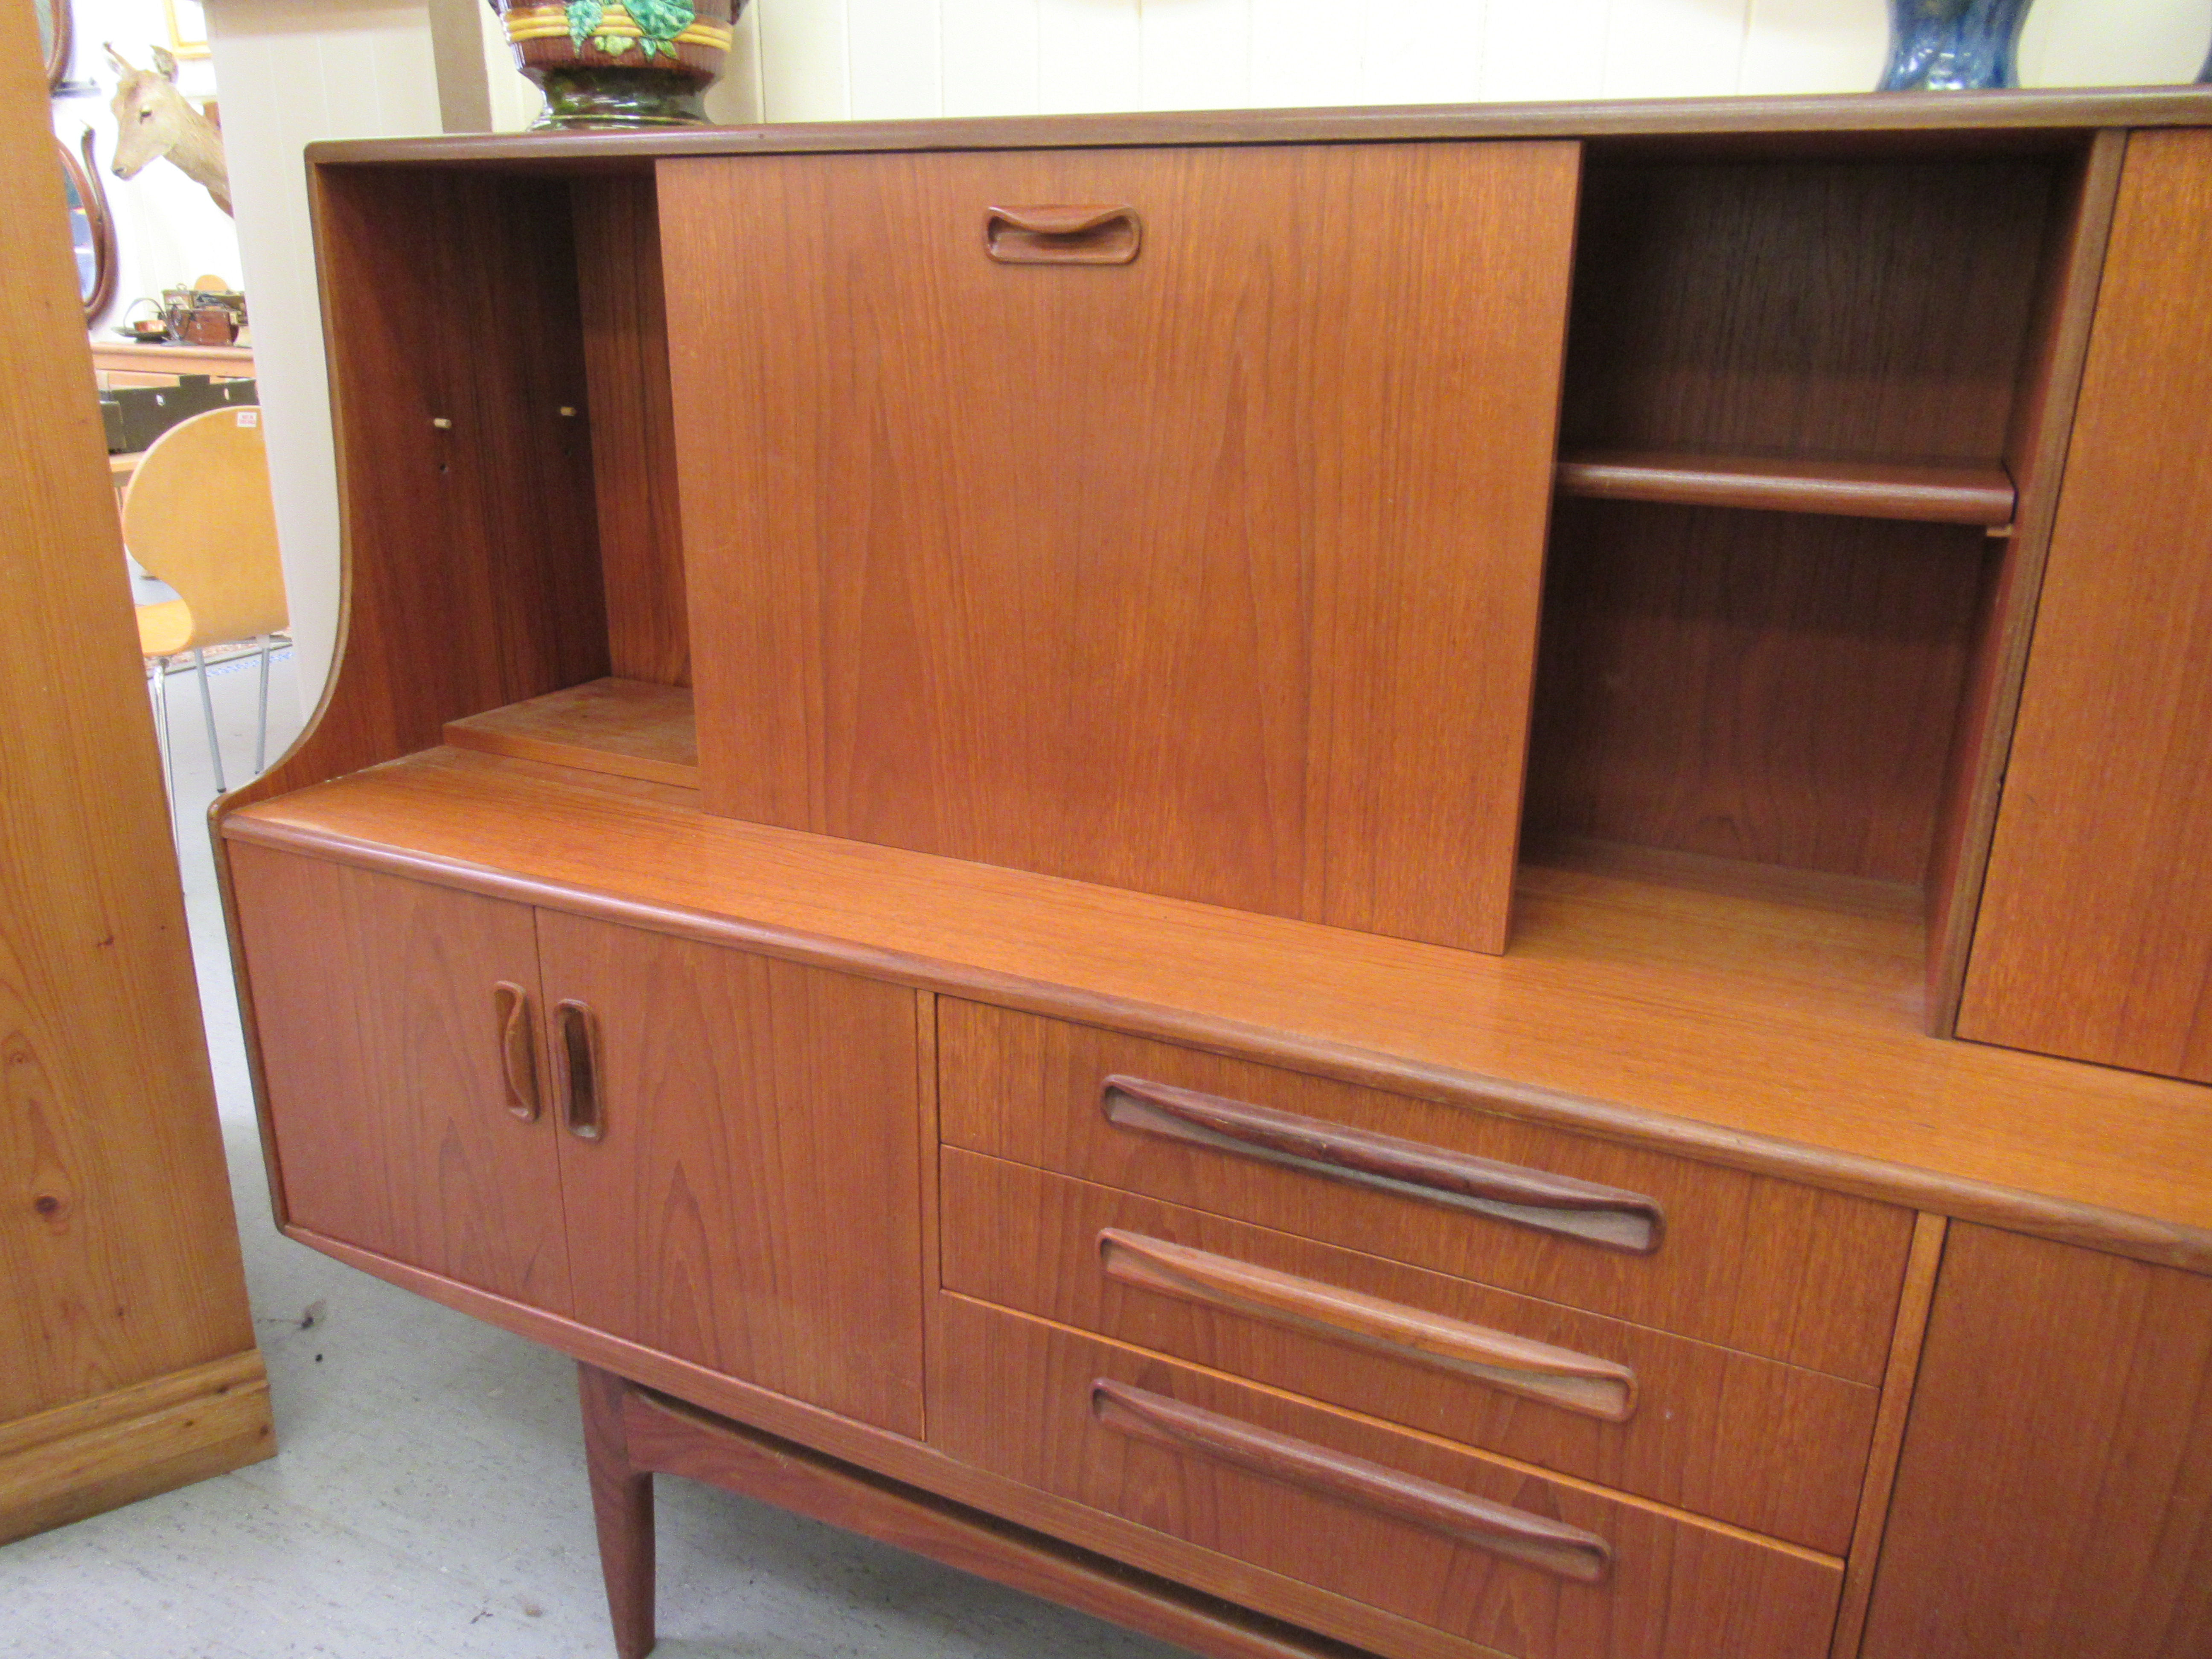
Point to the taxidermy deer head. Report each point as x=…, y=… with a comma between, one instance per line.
x=152, y=119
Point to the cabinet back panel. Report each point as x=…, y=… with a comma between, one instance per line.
x=633, y=425
x=1775, y=687
x=1870, y=309
x=1179, y=576
x=459, y=305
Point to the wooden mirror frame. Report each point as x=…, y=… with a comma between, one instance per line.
x=59, y=28
x=84, y=178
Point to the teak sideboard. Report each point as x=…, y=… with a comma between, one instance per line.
x=1428, y=883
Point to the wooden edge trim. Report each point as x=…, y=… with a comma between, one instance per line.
x=931, y=1175
x=668, y=1436
x=1914, y=1302
x=241, y=980
x=911, y=1463
x=2036, y=519
x=2141, y=1238
x=96, y=1455
x=2058, y=112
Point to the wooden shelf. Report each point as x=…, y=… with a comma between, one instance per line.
x=625, y=728
x=1764, y=1023
x=1859, y=489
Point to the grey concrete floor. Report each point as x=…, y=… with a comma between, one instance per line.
x=427, y=1496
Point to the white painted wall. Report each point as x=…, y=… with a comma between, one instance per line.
x=168, y=229
x=293, y=73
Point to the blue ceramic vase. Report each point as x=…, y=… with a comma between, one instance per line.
x=1952, y=46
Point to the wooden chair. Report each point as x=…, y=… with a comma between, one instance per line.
x=197, y=516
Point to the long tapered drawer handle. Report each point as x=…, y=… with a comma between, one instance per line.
x=518, y=1048
x=1534, y=1540
x=1558, y=1376
x=1087, y=235
x=576, y=1043
x=1533, y=1198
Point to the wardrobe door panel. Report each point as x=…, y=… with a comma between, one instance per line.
x=1123, y=515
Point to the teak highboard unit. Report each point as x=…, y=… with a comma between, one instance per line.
x=1428, y=883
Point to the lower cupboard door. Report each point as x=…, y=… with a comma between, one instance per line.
x=740, y=1161
x=1470, y=1545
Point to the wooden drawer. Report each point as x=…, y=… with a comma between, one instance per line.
x=1473, y=1545
x=1775, y=1448
x=1751, y=1262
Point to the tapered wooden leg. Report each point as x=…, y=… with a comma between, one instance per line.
x=622, y=1504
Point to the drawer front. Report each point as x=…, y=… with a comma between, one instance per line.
x=1746, y=1261
x=1472, y=1546
x=1775, y=1448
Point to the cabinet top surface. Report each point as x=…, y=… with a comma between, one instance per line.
x=1685, y=1049
x=1858, y=119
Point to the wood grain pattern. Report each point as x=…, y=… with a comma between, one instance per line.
x=1222, y=1284
x=632, y=426
x=1881, y=1481
x=1021, y=1405
x=481, y=535
x=1778, y=689
x=1368, y=1628
x=1055, y=567
x=666, y=1434
x=1805, y=1277
x=1707, y=1022
x=1523, y=1195
x=1935, y=494
x=630, y=728
x=2035, y=454
x=1495, y=1528
x=1843, y=310
x=382, y=1063
x=752, y=1201
x=2095, y=933
x=1857, y=124
x=1772, y=1447
x=96, y=1454
x=118, y=1253
x=2055, y=1497
x=622, y=1510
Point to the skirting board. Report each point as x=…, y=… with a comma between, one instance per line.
x=114, y=1449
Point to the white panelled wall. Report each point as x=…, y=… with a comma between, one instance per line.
x=291, y=72
x=832, y=60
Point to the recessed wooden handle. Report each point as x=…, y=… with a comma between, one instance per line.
x=576, y=1041
x=518, y=1048
x=1532, y=1540
x=1092, y=235
x=1558, y=1376
x=1532, y=1198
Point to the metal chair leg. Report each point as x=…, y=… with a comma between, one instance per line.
x=261, y=732
x=207, y=709
x=161, y=722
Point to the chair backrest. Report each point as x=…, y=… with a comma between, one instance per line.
x=197, y=515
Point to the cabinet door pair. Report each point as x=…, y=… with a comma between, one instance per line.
x=713, y=1154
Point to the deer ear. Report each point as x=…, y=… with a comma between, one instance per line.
x=122, y=64
x=165, y=63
